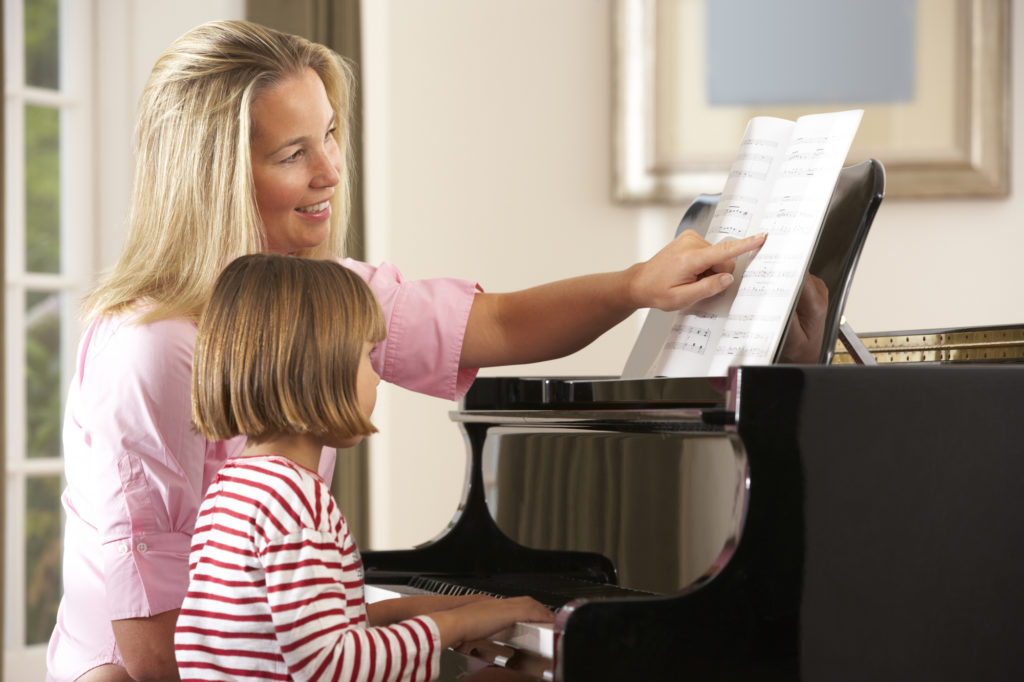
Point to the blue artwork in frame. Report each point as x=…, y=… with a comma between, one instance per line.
x=785, y=52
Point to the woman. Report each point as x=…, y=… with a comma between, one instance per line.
x=243, y=148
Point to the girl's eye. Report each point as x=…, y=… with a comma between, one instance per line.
x=294, y=156
x=330, y=134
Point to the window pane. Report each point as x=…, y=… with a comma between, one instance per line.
x=42, y=556
x=42, y=374
x=42, y=44
x=42, y=189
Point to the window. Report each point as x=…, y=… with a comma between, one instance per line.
x=49, y=228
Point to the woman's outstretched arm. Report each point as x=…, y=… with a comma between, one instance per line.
x=556, y=319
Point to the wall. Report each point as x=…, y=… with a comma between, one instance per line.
x=488, y=157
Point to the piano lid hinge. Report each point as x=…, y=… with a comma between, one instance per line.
x=856, y=348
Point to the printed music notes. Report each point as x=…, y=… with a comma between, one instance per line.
x=780, y=183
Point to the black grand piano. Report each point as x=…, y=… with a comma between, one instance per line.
x=818, y=522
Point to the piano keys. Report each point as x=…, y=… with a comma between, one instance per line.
x=803, y=522
x=525, y=647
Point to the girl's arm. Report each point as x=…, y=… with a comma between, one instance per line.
x=320, y=626
x=485, y=618
x=388, y=611
x=557, y=319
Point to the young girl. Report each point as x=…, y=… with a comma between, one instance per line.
x=275, y=579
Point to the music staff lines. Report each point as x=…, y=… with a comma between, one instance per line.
x=766, y=272
x=761, y=289
x=691, y=338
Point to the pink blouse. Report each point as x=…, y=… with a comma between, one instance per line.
x=136, y=471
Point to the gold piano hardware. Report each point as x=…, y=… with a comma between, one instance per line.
x=998, y=344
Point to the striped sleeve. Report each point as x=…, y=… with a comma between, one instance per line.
x=276, y=589
x=315, y=594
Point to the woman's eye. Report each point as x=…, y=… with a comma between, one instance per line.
x=330, y=134
x=293, y=156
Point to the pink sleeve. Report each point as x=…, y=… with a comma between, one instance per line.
x=426, y=325
x=145, y=465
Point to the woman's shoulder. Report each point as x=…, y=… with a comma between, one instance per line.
x=124, y=331
x=120, y=344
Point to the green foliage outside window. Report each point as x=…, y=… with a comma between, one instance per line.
x=42, y=557
x=44, y=385
x=42, y=189
x=42, y=44
x=43, y=380
x=43, y=390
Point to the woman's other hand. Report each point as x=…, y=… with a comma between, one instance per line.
x=807, y=326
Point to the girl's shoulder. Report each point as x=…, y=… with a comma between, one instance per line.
x=279, y=467
x=282, y=486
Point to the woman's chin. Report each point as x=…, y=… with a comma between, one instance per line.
x=294, y=246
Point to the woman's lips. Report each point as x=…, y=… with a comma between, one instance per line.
x=320, y=211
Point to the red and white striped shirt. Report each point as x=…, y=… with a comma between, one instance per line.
x=276, y=588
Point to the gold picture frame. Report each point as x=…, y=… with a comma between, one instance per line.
x=670, y=145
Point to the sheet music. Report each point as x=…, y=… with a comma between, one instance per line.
x=780, y=183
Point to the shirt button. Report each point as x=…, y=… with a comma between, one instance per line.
x=142, y=547
x=122, y=548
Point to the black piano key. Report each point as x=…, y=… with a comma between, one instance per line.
x=551, y=590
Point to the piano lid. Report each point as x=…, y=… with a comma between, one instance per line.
x=593, y=393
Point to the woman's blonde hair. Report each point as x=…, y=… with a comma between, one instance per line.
x=193, y=206
x=279, y=348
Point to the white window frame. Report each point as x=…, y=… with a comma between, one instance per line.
x=77, y=230
x=118, y=40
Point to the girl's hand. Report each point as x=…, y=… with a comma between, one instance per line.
x=484, y=618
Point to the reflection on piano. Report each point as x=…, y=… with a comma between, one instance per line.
x=811, y=522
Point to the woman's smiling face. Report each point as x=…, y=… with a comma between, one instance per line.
x=296, y=162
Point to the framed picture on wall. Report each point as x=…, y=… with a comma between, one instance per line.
x=931, y=75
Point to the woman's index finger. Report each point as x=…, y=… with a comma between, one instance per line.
x=726, y=250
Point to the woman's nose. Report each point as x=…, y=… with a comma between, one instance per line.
x=328, y=170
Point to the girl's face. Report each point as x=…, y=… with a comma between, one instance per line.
x=296, y=163
x=366, y=390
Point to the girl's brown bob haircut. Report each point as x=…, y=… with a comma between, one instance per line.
x=278, y=350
